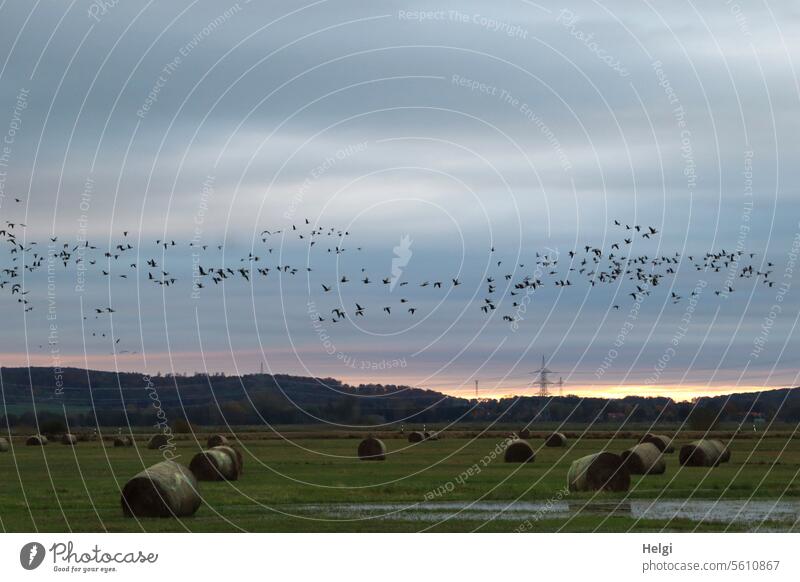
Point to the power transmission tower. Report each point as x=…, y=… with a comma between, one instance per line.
x=544, y=381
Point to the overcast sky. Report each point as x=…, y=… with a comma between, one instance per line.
x=461, y=125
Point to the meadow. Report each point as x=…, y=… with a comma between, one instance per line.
x=308, y=483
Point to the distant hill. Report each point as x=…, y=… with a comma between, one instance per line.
x=92, y=397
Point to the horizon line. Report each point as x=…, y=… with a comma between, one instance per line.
x=611, y=391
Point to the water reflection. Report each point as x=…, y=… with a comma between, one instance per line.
x=727, y=511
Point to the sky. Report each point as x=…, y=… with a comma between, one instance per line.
x=456, y=127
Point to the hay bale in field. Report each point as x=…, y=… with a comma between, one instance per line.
x=158, y=441
x=519, y=452
x=3, y=445
x=599, y=472
x=123, y=441
x=555, y=439
x=69, y=439
x=217, y=440
x=644, y=459
x=664, y=443
x=235, y=454
x=702, y=453
x=371, y=449
x=416, y=437
x=524, y=433
x=36, y=440
x=167, y=489
x=215, y=465
x=725, y=452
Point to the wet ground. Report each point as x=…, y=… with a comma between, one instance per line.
x=754, y=514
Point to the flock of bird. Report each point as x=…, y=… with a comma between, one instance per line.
x=120, y=259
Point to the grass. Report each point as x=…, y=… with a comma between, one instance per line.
x=295, y=486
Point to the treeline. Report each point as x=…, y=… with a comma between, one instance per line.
x=84, y=398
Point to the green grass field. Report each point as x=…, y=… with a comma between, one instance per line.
x=315, y=484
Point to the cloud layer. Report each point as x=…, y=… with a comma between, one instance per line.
x=527, y=126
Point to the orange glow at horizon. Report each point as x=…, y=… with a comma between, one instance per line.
x=678, y=393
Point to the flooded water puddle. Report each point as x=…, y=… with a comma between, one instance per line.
x=727, y=511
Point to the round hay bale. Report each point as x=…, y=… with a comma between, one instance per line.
x=36, y=440
x=702, y=453
x=433, y=436
x=416, y=437
x=599, y=472
x=217, y=440
x=3, y=445
x=725, y=452
x=371, y=449
x=664, y=443
x=234, y=454
x=214, y=465
x=644, y=459
x=69, y=439
x=519, y=452
x=123, y=441
x=158, y=441
x=555, y=439
x=167, y=489
x=524, y=433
